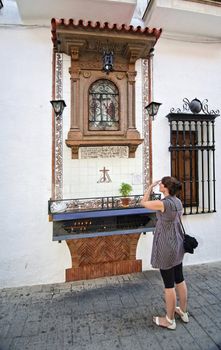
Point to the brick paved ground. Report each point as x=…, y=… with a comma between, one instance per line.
x=112, y=313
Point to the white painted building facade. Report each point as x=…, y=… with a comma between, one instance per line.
x=186, y=64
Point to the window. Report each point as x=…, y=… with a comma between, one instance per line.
x=192, y=148
x=103, y=106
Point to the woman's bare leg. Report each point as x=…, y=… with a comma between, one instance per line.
x=170, y=299
x=182, y=294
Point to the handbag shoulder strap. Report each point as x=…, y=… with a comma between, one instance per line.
x=178, y=215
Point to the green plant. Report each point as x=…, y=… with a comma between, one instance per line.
x=125, y=189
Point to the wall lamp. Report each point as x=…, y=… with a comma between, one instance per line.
x=58, y=106
x=152, y=109
x=108, y=61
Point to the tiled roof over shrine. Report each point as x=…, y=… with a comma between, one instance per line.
x=71, y=24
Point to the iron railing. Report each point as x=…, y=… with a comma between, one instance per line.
x=95, y=203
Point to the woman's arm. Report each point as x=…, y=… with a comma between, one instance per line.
x=154, y=205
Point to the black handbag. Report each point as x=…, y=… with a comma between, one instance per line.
x=189, y=242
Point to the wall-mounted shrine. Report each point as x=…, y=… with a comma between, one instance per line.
x=102, y=77
x=101, y=233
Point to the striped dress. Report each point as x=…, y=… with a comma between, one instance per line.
x=167, y=249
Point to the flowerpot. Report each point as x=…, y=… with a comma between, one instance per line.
x=125, y=201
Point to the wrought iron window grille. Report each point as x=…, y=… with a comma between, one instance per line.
x=192, y=150
x=103, y=106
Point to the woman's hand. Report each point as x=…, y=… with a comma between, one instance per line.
x=150, y=188
x=152, y=204
x=155, y=183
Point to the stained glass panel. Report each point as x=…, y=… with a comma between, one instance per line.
x=103, y=106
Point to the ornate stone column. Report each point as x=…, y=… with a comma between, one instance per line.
x=133, y=53
x=131, y=75
x=75, y=90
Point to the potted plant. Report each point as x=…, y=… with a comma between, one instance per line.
x=125, y=190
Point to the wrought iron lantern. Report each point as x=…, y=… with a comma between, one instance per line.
x=152, y=109
x=108, y=61
x=58, y=106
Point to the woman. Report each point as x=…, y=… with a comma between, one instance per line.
x=167, y=250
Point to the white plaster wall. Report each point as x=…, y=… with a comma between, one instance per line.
x=27, y=253
x=189, y=69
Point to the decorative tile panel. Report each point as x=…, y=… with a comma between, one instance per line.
x=58, y=168
x=104, y=152
x=145, y=91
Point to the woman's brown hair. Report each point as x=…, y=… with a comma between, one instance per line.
x=172, y=184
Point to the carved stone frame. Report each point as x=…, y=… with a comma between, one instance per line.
x=81, y=80
x=85, y=45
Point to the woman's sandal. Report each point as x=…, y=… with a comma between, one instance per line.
x=172, y=323
x=184, y=315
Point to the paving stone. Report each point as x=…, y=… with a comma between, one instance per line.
x=38, y=342
x=36, y=289
x=209, y=297
x=4, y=327
x=216, y=291
x=148, y=341
x=200, y=336
x=214, y=313
x=5, y=343
x=113, y=344
x=126, y=328
x=167, y=339
x=91, y=346
x=186, y=340
x=114, y=301
x=100, y=303
x=130, y=343
x=20, y=343
x=81, y=335
x=16, y=328
x=209, y=326
x=128, y=299
x=112, y=313
x=31, y=328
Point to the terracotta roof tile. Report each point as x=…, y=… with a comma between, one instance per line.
x=71, y=23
